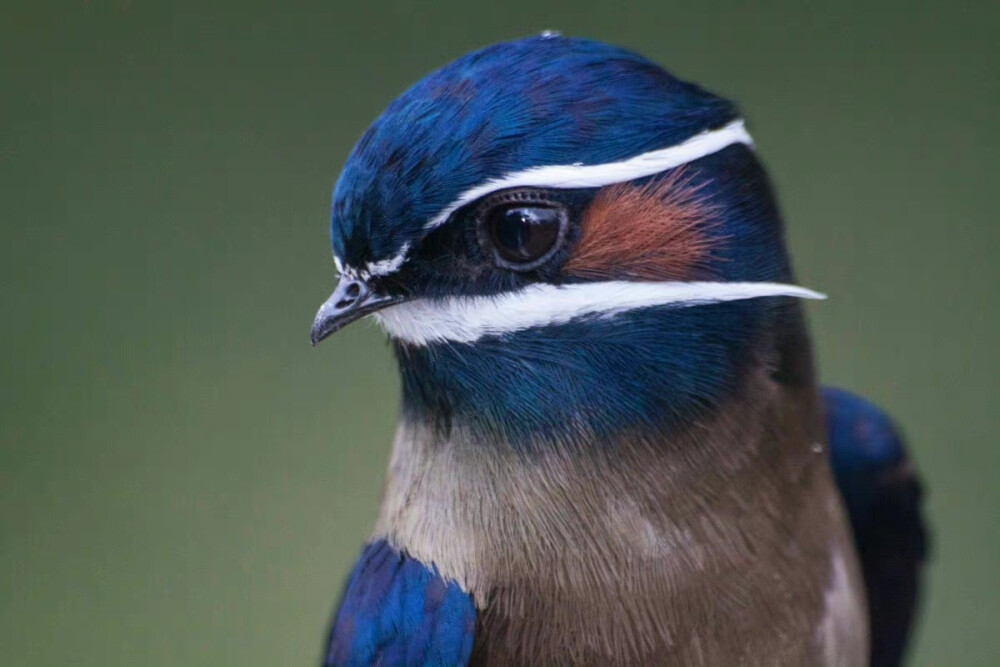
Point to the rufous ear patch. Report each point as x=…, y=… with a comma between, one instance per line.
x=657, y=231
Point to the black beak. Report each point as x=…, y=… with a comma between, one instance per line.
x=352, y=300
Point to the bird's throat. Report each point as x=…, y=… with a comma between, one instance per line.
x=654, y=371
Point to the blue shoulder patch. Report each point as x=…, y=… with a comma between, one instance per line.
x=396, y=611
x=883, y=494
x=863, y=445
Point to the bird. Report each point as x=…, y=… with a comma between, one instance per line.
x=613, y=448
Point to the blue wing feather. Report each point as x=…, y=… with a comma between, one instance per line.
x=396, y=611
x=883, y=497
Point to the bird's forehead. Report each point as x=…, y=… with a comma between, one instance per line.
x=510, y=107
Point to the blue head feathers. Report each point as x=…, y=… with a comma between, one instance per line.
x=501, y=213
x=536, y=101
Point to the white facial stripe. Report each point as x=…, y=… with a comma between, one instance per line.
x=467, y=319
x=380, y=268
x=599, y=175
x=386, y=266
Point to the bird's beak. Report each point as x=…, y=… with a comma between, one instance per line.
x=352, y=300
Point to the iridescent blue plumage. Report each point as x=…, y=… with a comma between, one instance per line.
x=654, y=366
x=863, y=445
x=542, y=100
x=397, y=612
x=883, y=497
x=637, y=368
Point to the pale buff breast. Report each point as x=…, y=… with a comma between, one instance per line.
x=726, y=545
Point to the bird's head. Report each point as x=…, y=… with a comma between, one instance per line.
x=557, y=231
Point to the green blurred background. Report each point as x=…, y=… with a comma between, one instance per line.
x=184, y=481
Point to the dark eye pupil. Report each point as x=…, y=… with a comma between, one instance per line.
x=523, y=234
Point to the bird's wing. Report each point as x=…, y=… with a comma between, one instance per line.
x=883, y=496
x=396, y=611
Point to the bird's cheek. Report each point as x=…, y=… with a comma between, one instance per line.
x=658, y=231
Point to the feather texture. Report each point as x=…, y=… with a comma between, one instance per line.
x=398, y=612
x=659, y=230
x=883, y=496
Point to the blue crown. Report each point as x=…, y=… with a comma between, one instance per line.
x=536, y=101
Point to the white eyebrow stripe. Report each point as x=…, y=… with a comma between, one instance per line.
x=465, y=319
x=577, y=176
x=384, y=267
x=599, y=175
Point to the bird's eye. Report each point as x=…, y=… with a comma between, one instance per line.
x=523, y=234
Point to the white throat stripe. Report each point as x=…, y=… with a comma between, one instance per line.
x=467, y=319
x=599, y=175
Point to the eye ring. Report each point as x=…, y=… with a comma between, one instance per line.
x=522, y=228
